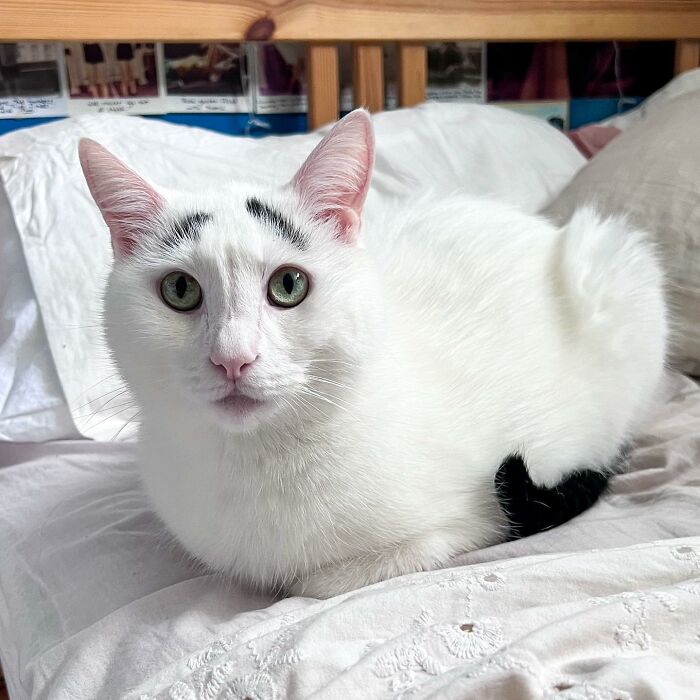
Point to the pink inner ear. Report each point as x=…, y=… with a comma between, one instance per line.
x=334, y=180
x=129, y=205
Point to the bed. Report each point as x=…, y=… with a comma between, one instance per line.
x=96, y=601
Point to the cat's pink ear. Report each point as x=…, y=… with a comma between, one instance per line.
x=129, y=205
x=334, y=180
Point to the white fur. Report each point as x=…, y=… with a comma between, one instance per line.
x=461, y=332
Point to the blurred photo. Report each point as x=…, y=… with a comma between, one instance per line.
x=280, y=77
x=281, y=69
x=111, y=71
x=456, y=71
x=205, y=69
x=29, y=70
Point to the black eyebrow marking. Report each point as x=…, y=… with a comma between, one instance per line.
x=281, y=226
x=186, y=228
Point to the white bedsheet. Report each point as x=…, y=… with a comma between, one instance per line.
x=95, y=602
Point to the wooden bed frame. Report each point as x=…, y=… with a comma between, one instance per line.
x=366, y=23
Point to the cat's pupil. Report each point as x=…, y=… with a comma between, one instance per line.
x=181, y=286
x=288, y=282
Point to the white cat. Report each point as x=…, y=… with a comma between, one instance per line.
x=324, y=406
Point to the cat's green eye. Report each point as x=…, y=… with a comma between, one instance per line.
x=181, y=291
x=287, y=287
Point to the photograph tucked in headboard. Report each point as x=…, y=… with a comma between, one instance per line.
x=262, y=88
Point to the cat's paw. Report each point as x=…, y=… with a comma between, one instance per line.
x=431, y=552
x=325, y=583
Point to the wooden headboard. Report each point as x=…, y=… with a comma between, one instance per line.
x=366, y=23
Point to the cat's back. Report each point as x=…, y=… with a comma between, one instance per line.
x=449, y=259
x=548, y=336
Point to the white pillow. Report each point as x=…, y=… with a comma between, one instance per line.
x=480, y=149
x=681, y=85
x=32, y=404
x=651, y=172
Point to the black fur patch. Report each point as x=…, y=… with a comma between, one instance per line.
x=532, y=509
x=280, y=225
x=186, y=228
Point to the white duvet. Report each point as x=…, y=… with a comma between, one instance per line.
x=96, y=604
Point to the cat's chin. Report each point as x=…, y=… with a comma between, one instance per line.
x=239, y=412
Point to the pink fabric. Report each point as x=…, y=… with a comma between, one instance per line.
x=591, y=139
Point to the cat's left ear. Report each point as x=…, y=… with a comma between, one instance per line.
x=129, y=205
x=334, y=179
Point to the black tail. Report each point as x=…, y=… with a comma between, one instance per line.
x=532, y=509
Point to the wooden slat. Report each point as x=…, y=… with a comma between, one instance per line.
x=322, y=74
x=368, y=76
x=349, y=20
x=687, y=55
x=413, y=73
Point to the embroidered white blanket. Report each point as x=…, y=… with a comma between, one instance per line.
x=599, y=625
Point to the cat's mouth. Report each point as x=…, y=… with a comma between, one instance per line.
x=239, y=404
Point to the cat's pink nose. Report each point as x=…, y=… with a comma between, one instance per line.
x=234, y=366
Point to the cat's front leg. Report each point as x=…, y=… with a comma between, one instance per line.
x=432, y=552
x=331, y=581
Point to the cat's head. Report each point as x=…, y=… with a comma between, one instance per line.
x=251, y=307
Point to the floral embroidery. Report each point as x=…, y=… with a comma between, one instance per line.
x=451, y=580
x=487, y=580
x=213, y=651
x=573, y=690
x=278, y=654
x=256, y=686
x=402, y=663
x=635, y=601
x=471, y=640
x=632, y=638
x=685, y=552
x=492, y=581
x=692, y=587
x=181, y=691
x=636, y=637
x=422, y=621
x=666, y=599
x=210, y=681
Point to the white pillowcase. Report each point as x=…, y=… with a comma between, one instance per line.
x=681, y=85
x=32, y=404
x=475, y=148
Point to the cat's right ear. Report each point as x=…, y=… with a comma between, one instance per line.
x=334, y=180
x=129, y=205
